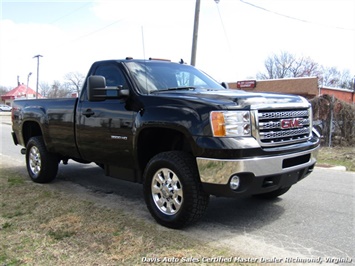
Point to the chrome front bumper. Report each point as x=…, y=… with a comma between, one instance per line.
x=219, y=171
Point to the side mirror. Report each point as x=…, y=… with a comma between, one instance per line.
x=225, y=85
x=97, y=90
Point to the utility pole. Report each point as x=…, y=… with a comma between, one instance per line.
x=195, y=33
x=38, y=56
x=353, y=90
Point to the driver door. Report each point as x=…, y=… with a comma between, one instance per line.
x=104, y=128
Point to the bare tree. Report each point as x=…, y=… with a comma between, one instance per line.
x=286, y=65
x=305, y=67
x=278, y=66
x=4, y=90
x=44, y=89
x=332, y=77
x=58, y=90
x=74, y=81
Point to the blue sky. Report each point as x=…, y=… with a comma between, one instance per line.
x=235, y=37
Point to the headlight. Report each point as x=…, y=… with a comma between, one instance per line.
x=230, y=123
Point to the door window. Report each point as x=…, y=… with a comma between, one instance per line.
x=112, y=74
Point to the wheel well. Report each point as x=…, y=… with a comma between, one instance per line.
x=30, y=129
x=157, y=140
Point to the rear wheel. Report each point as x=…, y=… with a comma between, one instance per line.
x=42, y=166
x=172, y=190
x=273, y=194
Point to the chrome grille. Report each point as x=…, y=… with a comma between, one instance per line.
x=283, y=114
x=281, y=127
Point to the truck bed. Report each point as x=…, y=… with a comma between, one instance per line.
x=56, y=118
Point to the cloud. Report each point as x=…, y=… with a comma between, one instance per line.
x=20, y=42
x=143, y=12
x=233, y=42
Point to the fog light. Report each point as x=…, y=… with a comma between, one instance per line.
x=234, y=182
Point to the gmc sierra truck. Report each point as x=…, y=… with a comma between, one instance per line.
x=174, y=129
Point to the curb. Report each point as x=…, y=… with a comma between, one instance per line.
x=337, y=168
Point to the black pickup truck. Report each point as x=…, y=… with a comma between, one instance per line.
x=174, y=129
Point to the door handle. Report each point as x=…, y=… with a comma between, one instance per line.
x=88, y=113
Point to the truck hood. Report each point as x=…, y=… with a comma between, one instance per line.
x=236, y=99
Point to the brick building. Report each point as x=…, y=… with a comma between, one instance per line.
x=341, y=94
x=306, y=86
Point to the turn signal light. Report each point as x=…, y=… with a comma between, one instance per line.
x=218, y=124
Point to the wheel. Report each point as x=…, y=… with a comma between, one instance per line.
x=172, y=190
x=273, y=194
x=42, y=166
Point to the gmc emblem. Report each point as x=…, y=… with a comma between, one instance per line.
x=291, y=123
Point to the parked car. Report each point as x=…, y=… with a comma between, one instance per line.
x=5, y=108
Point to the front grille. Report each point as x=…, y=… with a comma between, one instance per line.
x=281, y=127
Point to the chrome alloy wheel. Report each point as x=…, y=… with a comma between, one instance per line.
x=35, y=160
x=167, y=191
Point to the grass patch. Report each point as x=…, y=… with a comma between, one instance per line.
x=59, y=235
x=5, y=225
x=15, y=180
x=344, y=156
x=41, y=226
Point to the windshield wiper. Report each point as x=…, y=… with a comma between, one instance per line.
x=176, y=89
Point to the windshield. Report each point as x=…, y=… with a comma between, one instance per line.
x=153, y=77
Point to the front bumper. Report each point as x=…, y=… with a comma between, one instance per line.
x=258, y=175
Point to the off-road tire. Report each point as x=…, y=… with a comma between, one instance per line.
x=171, y=179
x=42, y=166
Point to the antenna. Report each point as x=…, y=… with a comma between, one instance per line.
x=146, y=80
x=143, y=42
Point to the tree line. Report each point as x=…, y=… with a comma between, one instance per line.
x=287, y=65
x=73, y=81
x=277, y=66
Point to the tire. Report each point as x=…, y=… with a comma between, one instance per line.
x=172, y=190
x=273, y=194
x=42, y=166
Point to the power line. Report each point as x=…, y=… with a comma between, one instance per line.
x=95, y=31
x=70, y=12
x=294, y=18
x=223, y=27
x=89, y=33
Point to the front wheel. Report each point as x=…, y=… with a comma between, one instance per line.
x=42, y=166
x=172, y=190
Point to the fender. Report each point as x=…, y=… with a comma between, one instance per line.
x=182, y=119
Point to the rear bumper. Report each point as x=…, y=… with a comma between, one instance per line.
x=258, y=175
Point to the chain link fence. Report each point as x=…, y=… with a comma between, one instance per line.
x=335, y=120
